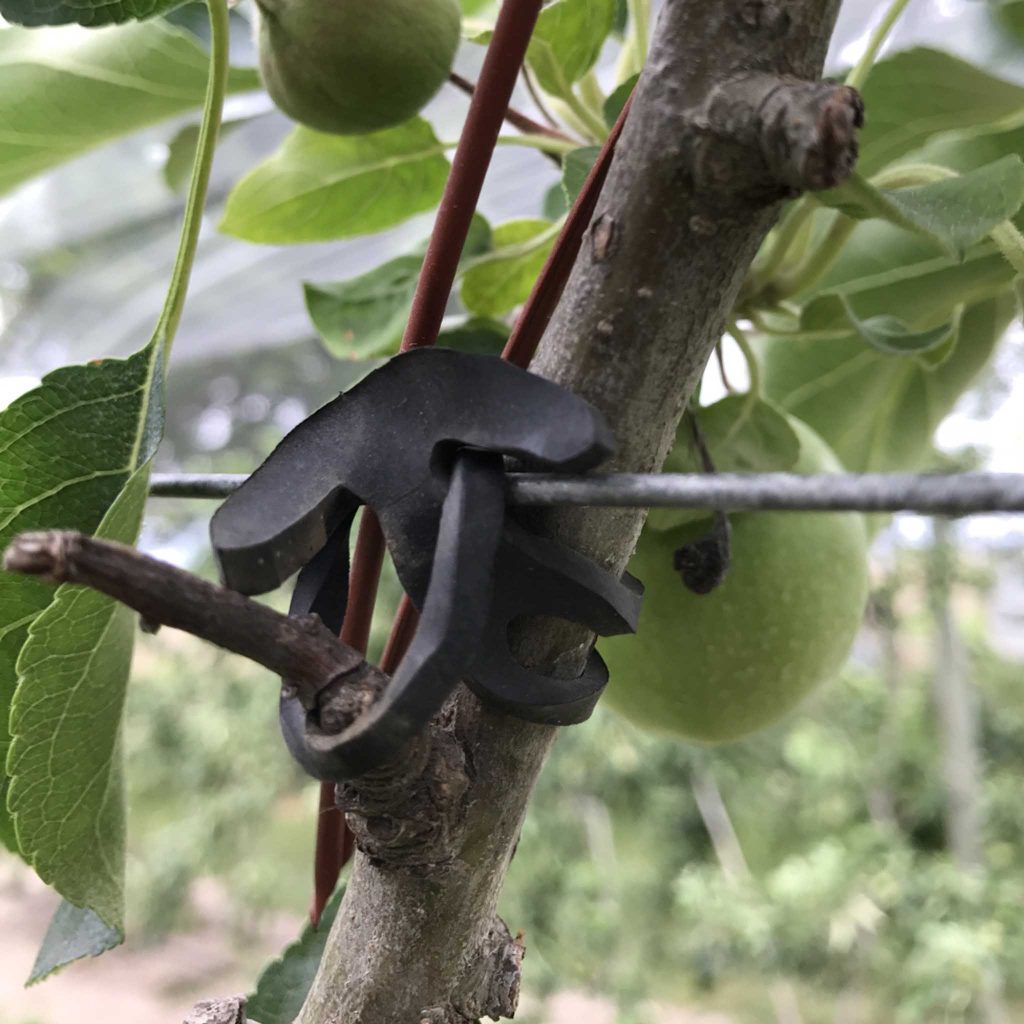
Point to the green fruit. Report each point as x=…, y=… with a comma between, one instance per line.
x=356, y=66
x=717, y=667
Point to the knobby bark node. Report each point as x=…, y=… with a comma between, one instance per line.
x=774, y=136
x=489, y=986
x=218, y=1011
x=410, y=814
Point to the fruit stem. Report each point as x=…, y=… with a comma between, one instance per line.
x=538, y=100
x=815, y=263
x=591, y=94
x=779, y=244
x=546, y=144
x=213, y=105
x=590, y=119
x=859, y=75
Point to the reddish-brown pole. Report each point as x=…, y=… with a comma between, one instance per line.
x=472, y=158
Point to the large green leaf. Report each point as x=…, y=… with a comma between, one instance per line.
x=83, y=12
x=365, y=316
x=567, y=41
x=64, y=91
x=286, y=981
x=918, y=93
x=501, y=280
x=884, y=332
x=954, y=213
x=879, y=412
x=885, y=271
x=319, y=187
x=66, y=793
x=67, y=450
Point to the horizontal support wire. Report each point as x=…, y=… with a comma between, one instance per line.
x=952, y=494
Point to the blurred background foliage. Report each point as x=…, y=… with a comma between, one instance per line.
x=807, y=874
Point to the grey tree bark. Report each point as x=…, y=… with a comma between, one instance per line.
x=728, y=121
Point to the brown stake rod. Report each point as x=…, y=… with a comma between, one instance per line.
x=487, y=111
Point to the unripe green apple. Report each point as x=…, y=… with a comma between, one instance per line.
x=356, y=66
x=719, y=666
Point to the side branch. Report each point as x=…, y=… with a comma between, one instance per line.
x=805, y=133
x=300, y=649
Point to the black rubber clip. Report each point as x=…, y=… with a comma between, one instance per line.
x=421, y=441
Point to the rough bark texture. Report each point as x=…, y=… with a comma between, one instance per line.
x=721, y=131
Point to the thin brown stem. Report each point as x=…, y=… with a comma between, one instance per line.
x=487, y=111
x=538, y=100
x=516, y=118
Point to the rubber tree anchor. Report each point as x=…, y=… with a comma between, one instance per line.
x=409, y=442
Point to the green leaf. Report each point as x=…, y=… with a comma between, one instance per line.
x=555, y=205
x=478, y=335
x=575, y=169
x=885, y=271
x=319, y=187
x=879, y=413
x=73, y=934
x=365, y=316
x=470, y=7
x=955, y=213
x=498, y=282
x=67, y=450
x=66, y=792
x=90, y=13
x=568, y=40
x=285, y=982
x=617, y=100
x=65, y=91
x=891, y=336
x=743, y=435
x=621, y=16
x=920, y=92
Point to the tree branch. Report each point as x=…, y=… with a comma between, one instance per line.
x=299, y=648
x=691, y=194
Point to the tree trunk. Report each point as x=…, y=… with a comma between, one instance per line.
x=723, y=128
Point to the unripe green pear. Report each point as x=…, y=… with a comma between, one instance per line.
x=716, y=667
x=356, y=66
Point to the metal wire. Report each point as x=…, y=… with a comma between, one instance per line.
x=933, y=494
